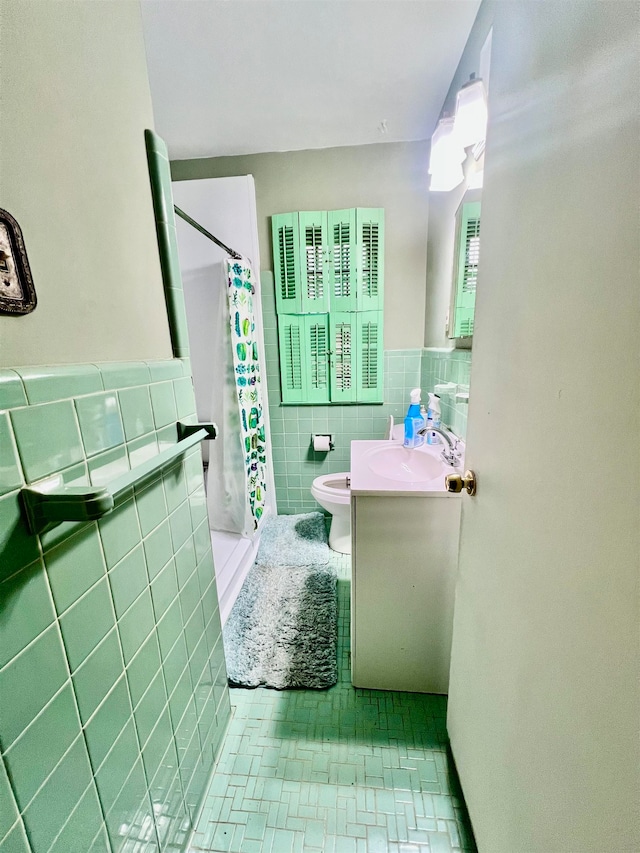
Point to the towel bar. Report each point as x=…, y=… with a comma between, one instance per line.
x=51, y=504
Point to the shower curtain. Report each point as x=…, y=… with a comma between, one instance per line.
x=236, y=483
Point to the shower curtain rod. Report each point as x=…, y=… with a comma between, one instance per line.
x=206, y=233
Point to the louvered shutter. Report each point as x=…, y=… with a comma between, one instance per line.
x=293, y=369
x=314, y=285
x=343, y=357
x=467, y=271
x=286, y=262
x=342, y=255
x=317, y=358
x=369, y=387
x=370, y=257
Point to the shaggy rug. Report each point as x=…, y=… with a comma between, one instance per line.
x=282, y=629
x=293, y=540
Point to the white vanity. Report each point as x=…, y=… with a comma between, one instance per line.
x=405, y=532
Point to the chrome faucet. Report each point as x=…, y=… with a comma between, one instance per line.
x=450, y=454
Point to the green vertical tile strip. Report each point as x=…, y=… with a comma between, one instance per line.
x=160, y=176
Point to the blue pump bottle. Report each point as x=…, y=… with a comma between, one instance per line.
x=413, y=422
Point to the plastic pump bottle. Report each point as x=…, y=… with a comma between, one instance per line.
x=413, y=422
x=433, y=418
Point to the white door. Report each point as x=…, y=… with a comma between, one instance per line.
x=544, y=716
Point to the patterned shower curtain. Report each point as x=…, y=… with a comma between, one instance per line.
x=237, y=457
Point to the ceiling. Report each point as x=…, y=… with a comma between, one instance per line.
x=245, y=76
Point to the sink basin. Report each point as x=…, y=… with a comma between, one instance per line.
x=404, y=464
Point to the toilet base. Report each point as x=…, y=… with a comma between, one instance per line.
x=340, y=533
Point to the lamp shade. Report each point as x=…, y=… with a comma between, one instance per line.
x=470, y=124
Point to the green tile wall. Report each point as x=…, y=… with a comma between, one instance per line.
x=448, y=367
x=295, y=463
x=113, y=697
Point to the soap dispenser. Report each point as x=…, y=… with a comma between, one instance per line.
x=433, y=418
x=413, y=422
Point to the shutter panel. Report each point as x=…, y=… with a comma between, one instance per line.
x=317, y=358
x=314, y=285
x=343, y=357
x=286, y=262
x=291, y=338
x=370, y=357
x=467, y=274
x=342, y=255
x=370, y=228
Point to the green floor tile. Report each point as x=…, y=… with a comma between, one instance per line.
x=339, y=771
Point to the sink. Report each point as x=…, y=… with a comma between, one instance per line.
x=404, y=464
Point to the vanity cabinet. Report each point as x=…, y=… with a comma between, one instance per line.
x=404, y=566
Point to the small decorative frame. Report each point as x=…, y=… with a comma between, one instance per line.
x=17, y=293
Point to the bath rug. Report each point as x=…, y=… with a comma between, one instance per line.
x=293, y=540
x=282, y=629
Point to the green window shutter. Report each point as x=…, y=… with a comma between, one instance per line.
x=467, y=272
x=370, y=231
x=293, y=369
x=343, y=357
x=342, y=254
x=314, y=285
x=370, y=355
x=286, y=262
x=317, y=358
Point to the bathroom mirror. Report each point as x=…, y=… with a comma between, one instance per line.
x=466, y=253
x=452, y=261
x=453, y=216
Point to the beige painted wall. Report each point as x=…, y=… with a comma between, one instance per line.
x=392, y=176
x=75, y=101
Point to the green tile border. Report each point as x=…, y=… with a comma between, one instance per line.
x=160, y=178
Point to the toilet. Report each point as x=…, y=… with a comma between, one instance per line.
x=333, y=494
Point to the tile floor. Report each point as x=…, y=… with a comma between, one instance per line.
x=338, y=771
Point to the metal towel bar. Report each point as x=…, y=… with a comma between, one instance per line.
x=50, y=503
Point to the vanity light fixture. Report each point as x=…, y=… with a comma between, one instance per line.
x=470, y=125
x=447, y=156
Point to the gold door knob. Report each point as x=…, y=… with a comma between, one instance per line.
x=456, y=483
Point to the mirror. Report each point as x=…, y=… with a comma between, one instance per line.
x=446, y=263
x=466, y=253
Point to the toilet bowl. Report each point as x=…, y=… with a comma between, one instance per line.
x=333, y=494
